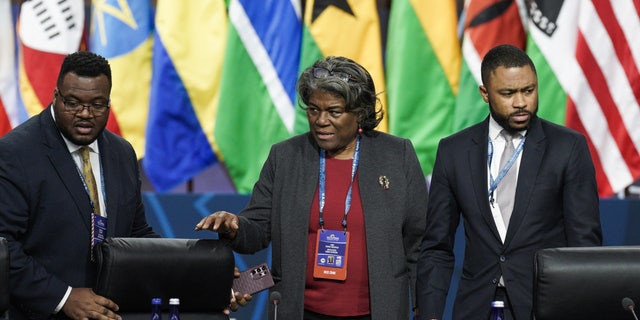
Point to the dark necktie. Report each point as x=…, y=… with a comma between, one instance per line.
x=506, y=189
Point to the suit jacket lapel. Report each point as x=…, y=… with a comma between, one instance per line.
x=370, y=193
x=530, y=163
x=478, y=162
x=64, y=165
x=109, y=163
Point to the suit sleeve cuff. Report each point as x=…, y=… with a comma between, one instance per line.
x=63, y=301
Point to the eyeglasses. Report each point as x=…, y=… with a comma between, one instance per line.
x=323, y=73
x=72, y=106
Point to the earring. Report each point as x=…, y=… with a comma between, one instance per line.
x=359, y=129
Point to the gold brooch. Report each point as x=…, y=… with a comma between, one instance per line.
x=383, y=181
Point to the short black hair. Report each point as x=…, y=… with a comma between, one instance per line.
x=504, y=55
x=84, y=64
x=358, y=91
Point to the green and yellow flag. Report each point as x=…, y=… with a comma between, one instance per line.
x=423, y=68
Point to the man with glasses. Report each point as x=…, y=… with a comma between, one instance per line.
x=66, y=184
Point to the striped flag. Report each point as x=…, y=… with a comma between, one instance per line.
x=9, y=104
x=47, y=32
x=423, y=68
x=349, y=28
x=188, y=47
x=257, y=100
x=590, y=48
x=122, y=32
x=488, y=23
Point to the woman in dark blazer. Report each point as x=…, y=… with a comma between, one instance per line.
x=304, y=188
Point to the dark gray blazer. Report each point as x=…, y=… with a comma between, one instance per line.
x=394, y=219
x=556, y=205
x=45, y=212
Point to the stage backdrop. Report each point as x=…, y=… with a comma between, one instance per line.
x=175, y=216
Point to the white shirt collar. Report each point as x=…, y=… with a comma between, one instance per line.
x=495, y=129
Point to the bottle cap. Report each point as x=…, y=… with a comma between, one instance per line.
x=156, y=301
x=174, y=301
x=497, y=304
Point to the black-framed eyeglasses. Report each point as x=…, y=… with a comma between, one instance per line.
x=323, y=73
x=72, y=106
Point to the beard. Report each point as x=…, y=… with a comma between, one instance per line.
x=503, y=120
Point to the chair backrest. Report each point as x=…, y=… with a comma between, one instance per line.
x=585, y=283
x=132, y=271
x=4, y=276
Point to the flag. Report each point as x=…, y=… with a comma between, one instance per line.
x=47, y=32
x=488, y=23
x=349, y=28
x=10, y=115
x=121, y=31
x=588, y=58
x=423, y=67
x=257, y=99
x=188, y=48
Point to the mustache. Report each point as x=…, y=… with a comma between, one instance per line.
x=521, y=112
x=84, y=123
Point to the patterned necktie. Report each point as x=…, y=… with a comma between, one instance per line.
x=90, y=180
x=506, y=189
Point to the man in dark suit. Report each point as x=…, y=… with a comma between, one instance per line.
x=552, y=194
x=50, y=213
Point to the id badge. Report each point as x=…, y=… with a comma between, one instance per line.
x=99, y=232
x=332, y=251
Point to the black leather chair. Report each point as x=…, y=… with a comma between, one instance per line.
x=585, y=283
x=132, y=271
x=4, y=277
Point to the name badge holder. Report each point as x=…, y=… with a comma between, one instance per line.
x=332, y=252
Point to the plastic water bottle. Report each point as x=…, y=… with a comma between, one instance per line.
x=174, y=305
x=497, y=310
x=156, y=309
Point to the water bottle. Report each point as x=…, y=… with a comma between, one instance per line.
x=156, y=309
x=174, y=305
x=497, y=310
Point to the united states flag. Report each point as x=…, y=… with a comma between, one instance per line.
x=587, y=54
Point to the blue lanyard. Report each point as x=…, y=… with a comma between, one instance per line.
x=86, y=188
x=493, y=184
x=323, y=179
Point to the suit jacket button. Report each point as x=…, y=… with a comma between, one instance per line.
x=503, y=259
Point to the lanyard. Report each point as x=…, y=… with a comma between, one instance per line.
x=86, y=188
x=493, y=184
x=322, y=184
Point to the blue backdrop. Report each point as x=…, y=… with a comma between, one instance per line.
x=175, y=216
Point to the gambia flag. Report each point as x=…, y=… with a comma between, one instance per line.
x=257, y=93
x=488, y=23
x=122, y=32
x=423, y=68
x=349, y=28
x=588, y=58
